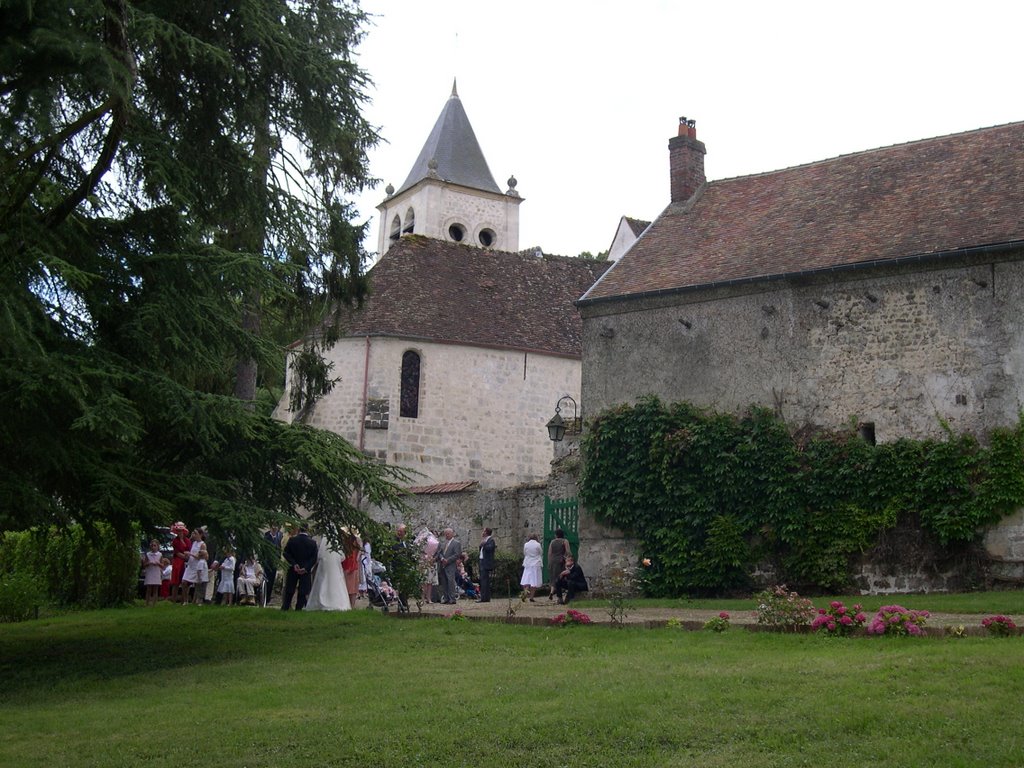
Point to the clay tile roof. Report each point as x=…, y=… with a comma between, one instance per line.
x=464, y=485
x=924, y=197
x=439, y=291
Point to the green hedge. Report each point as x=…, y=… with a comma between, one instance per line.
x=76, y=568
x=711, y=495
x=508, y=570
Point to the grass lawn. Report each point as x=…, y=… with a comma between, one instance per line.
x=1008, y=602
x=185, y=686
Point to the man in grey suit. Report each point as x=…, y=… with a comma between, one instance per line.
x=447, y=560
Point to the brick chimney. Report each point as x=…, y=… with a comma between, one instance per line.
x=686, y=161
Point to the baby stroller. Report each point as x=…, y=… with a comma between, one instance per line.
x=379, y=590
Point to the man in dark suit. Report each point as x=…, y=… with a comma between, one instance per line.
x=571, y=581
x=487, y=547
x=300, y=553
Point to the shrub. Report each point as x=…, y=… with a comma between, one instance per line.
x=838, y=620
x=508, y=570
x=570, y=618
x=999, y=626
x=777, y=607
x=620, y=588
x=719, y=623
x=90, y=569
x=897, y=621
x=457, y=615
x=21, y=594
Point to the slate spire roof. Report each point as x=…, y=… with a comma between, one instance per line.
x=905, y=201
x=447, y=292
x=453, y=145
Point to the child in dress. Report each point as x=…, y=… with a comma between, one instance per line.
x=226, y=587
x=152, y=572
x=202, y=571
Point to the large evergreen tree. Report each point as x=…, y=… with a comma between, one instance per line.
x=172, y=204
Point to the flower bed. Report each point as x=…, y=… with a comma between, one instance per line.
x=895, y=620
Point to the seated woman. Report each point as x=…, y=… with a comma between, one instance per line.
x=571, y=581
x=463, y=577
x=250, y=577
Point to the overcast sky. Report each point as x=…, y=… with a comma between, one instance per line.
x=578, y=99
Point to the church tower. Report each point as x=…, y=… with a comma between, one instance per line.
x=450, y=193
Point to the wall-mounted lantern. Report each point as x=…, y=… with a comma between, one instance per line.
x=556, y=427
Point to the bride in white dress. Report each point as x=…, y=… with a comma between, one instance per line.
x=329, y=591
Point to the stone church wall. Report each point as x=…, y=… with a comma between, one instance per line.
x=514, y=513
x=482, y=412
x=903, y=349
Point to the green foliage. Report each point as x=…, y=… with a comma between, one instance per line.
x=719, y=623
x=21, y=595
x=783, y=609
x=173, y=181
x=74, y=566
x=508, y=570
x=711, y=495
x=402, y=564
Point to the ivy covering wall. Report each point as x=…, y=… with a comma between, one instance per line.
x=711, y=495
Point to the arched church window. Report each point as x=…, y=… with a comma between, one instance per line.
x=457, y=232
x=487, y=237
x=396, y=228
x=410, y=222
x=410, y=395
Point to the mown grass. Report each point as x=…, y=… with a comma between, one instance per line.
x=1009, y=602
x=246, y=687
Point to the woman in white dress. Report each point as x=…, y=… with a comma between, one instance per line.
x=533, y=565
x=329, y=591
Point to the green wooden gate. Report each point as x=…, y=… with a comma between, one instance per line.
x=564, y=514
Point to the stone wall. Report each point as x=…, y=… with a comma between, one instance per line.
x=481, y=411
x=514, y=513
x=901, y=348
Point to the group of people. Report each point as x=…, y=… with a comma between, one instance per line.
x=565, y=576
x=191, y=576
x=322, y=578
x=447, y=568
x=188, y=576
x=319, y=577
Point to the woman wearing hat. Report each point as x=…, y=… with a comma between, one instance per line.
x=182, y=545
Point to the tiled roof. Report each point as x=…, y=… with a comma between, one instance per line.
x=452, y=143
x=440, y=291
x=925, y=197
x=464, y=485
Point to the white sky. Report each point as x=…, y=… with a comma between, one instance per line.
x=578, y=98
